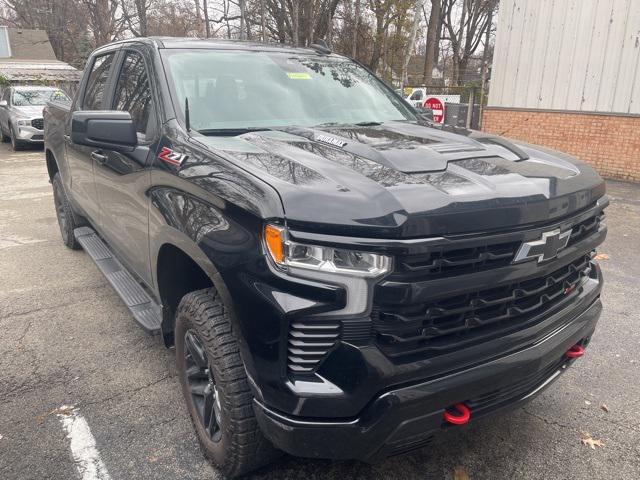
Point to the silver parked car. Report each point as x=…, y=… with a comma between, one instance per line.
x=21, y=113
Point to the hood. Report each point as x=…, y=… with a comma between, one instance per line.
x=405, y=180
x=31, y=111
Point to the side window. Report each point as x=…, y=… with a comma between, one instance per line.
x=97, y=82
x=133, y=93
x=417, y=95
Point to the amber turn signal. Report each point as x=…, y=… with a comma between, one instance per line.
x=273, y=238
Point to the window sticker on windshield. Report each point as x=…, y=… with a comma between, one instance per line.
x=298, y=76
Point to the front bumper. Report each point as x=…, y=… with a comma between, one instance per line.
x=406, y=418
x=29, y=134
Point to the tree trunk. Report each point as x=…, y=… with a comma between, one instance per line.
x=263, y=20
x=485, y=65
x=243, y=34
x=198, y=18
x=295, y=22
x=207, y=27
x=412, y=41
x=430, y=58
x=356, y=21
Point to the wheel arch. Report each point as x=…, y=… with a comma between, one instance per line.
x=182, y=267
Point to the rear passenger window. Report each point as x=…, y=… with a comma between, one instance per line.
x=97, y=82
x=133, y=93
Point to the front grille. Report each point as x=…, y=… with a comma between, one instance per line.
x=452, y=260
x=443, y=325
x=38, y=123
x=460, y=261
x=584, y=229
x=310, y=340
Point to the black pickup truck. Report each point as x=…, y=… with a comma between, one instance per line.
x=340, y=277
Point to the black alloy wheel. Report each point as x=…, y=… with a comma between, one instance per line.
x=202, y=385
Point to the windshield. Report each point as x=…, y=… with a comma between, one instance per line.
x=26, y=98
x=248, y=89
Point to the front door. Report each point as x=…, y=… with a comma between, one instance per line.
x=79, y=157
x=123, y=179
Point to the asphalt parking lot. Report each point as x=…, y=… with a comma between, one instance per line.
x=66, y=339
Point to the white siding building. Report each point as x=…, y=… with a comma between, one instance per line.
x=576, y=58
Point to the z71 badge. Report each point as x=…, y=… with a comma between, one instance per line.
x=172, y=158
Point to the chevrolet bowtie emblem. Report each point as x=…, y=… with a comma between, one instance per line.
x=544, y=249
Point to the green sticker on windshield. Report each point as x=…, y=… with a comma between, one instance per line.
x=298, y=76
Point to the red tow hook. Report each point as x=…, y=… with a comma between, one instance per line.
x=462, y=415
x=575, y=352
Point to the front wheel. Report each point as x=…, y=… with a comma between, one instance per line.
x=215, y=387
x=5, y=138
x=15, y=143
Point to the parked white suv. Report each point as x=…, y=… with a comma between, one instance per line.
x=21, y=113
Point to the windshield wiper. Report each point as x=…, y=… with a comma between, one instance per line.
x=231, y=132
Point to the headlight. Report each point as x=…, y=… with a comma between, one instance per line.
x=293, y=255
x=24, y=123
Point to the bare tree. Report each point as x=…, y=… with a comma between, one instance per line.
x=105, y=20
x=465, y=33
x=384, y=12
x=412, y=39
x=136, y=16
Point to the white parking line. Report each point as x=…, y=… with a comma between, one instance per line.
x=83, y=445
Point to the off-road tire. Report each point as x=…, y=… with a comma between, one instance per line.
x=67, y=219
x=241, y=447
x=5, y=138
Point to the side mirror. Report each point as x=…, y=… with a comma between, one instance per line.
x=3, y=103
x=424, y=113
x=106, y=129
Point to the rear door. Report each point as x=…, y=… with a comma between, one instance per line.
x=94, y=93
x=122, y=180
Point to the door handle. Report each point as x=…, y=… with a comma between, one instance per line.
x=99, y=157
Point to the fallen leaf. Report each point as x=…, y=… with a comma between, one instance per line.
x=601, y=256
x=460, y=473
x=588, y=441
x=604, y=407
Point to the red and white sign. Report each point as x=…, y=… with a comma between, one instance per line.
x=437, y=106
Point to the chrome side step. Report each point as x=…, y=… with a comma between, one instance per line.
x=144, y=309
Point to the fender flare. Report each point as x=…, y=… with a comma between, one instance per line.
x=168, y=235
